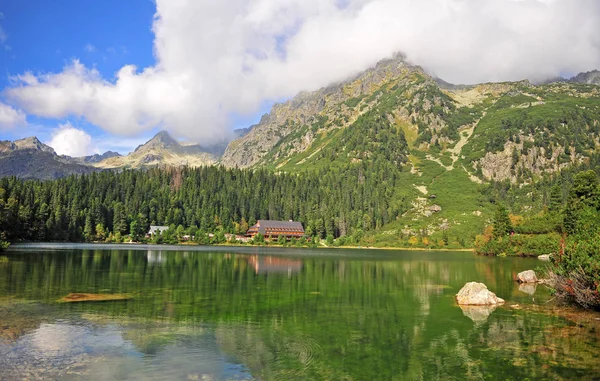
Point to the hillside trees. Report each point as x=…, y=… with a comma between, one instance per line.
x=99, y=206
x=576, y=268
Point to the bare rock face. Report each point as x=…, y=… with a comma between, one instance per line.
x=477, y=294
x=527, y=277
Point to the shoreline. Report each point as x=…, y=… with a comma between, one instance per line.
x=150, y=246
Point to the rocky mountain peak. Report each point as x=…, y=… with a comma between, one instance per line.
x=163, y=141
x=33, y=143
x=591, y=78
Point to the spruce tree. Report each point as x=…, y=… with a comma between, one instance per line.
x=502, y=224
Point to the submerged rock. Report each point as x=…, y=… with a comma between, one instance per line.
x=78, y=297
x=527, y=277
x=477, y=294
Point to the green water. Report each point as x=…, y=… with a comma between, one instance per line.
x=260, y=314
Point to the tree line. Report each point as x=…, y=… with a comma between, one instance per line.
x=345, y=202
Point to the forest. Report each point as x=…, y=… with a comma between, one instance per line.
x=110, y=205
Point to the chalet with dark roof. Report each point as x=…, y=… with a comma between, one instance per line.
x=156, y=230
x=275, y=229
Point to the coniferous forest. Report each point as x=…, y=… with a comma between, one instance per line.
x=110, y=205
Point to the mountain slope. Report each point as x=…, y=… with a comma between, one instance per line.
x=591, y=78
x=92, y=159
x=30, y=159
x=162, y=149
x=447, y=142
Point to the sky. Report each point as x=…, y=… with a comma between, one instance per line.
x=86, y=76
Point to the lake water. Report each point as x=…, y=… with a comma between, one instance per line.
x=276, y=314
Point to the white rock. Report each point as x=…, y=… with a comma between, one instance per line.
x=477, y=294
x=435, y=208
x=527, y=277
x=545, y=257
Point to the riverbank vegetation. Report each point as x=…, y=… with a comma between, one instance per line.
x=569, y=229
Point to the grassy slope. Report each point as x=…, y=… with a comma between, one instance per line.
x=465, y=208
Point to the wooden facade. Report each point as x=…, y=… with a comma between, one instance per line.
x=275, y=229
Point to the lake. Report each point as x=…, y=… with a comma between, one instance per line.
x=198, y=313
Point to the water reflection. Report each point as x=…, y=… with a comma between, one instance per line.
x=156, y=257
x=528, y=288
x=478, y=314
x=97, y=348
x=223, y=316
x=264, y=264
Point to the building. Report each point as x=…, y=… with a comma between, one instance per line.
x=275, y=229
x=156, y=230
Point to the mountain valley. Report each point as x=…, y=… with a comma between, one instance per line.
x=452, y=152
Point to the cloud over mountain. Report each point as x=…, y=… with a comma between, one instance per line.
x=68, y=140
x=10, y=117
x=215, y=58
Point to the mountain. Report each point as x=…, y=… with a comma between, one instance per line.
x=456, y=148
x=591, y=77
x=393, y=156
x=495, y=131
x=31, y=159
x=163, y=149
x=93, y=159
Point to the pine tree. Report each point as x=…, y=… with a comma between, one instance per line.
x=556, y=198
x=88, y=231
x=502, y=224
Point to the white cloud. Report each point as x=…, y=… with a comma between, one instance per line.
x=10, y=117
x=68, y=140
x=89, y=48
x=214, y=58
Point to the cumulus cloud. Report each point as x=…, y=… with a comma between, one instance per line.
x=68, y=140
x=215, y=58
x=10, y=117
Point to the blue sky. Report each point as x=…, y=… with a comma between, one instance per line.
x=44, y=36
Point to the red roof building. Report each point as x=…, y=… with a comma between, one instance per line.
x=275, y=229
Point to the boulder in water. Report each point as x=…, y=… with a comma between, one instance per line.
x=527, y=277
x=477, y=294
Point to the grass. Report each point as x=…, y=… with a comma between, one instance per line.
x=459, y=198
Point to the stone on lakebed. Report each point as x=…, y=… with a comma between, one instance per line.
x=477, y=294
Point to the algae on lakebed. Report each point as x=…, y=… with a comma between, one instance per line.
x=83, y=297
